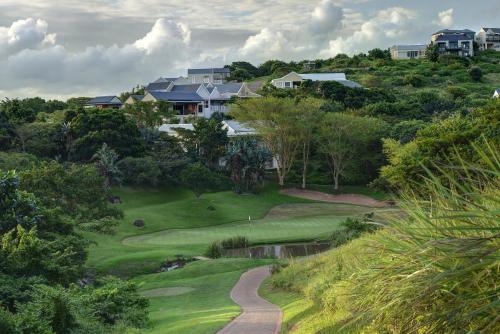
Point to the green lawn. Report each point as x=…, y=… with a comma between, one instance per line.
x=196, y=299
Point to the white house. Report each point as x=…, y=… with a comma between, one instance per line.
x=496, y=95
x=414, y=51
x=293, y=80
x=208, y=75
x=488, y=38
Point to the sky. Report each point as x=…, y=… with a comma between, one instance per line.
x=65, y=48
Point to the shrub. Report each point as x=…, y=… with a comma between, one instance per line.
x=215, y=250
x=353, y=228
x=414, y=80
x=457, y=92
x=475, y=73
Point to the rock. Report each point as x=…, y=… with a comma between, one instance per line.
x=115, y=200
x=139, y=223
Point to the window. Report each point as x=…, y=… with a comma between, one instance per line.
x=206, y=104
x=288, y=84
x=412, y=54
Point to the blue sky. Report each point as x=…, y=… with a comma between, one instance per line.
x=70, y=47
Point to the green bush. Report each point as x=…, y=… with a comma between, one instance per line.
x=476, y=73
x=414, y=80
x=215, y=250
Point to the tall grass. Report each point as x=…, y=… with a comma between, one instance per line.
x=435, y=270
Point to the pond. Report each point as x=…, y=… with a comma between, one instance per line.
x=284, y=251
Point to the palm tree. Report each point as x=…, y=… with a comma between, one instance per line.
x=105, y=160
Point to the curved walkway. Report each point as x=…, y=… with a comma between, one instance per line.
x=355, y=199
x=259, y=316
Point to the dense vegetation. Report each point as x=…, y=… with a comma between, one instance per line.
x=433, y=270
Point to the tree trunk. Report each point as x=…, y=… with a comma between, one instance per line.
x=305, y=159
x=336, y=182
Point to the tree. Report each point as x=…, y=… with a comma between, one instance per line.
x=432, y=53
x=106, y=162
x=93, y=127
x=198, y=178
x=40, y=139
x=77, y=190
x=114, y=301
x=344, y=139
x=476, y=73
x=276, y=121
x=444, y=143
x=207, y=142
x=140, y=171
x=246, y=159
x=149, y=114
x=310, y=115
x=16, y=207
x=7, y=132
x=379, y=54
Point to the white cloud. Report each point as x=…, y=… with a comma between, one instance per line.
x=445, y=18
x=385, y=27
x=43, y=65
x=25, y=34
x=304, y=39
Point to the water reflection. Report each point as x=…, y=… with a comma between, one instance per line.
x=278, y=251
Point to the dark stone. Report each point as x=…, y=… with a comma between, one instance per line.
x=139, y=223
x=115, y=200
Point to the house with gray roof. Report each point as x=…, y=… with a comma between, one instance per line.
x=133, y=99
x=104, y=102
x=293, y=80
x=408, y=51
x=496, y=94
x=488, y=39
x=184, y=103
x=454, y=42
x=208, y=75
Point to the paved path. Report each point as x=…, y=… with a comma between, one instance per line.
x=259, y=316
x=356, y=199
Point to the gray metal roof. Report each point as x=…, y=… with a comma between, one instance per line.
x=104, y=100
x=208, y=70
x=323, y=76
x=454, y=31
x=137, y=97
x=177, y=96
x=495, y=30
x=186, y=88
x=231, y=88
x=409, y=47
x=453, y=38
x=239, y=128
x=157, y=86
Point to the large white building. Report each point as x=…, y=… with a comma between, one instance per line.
x=488, y=39
x=413, y=51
